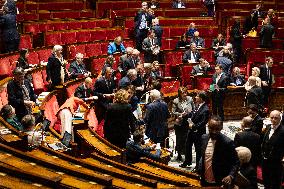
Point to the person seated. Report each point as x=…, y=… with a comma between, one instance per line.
x=153, y=4
x=126, y=61
x=178, y=4
x=202, y=68
x=133, y=99
x=192, y=55
x=8, y=114
x=77, y=68
x=191, y=30
x=22, y=60
x=116, y=46
x=20, y=93
x=136, y=57
x=108, y=63
x=218, y=44
x=255, y=72
x=183, y=42
x=128, y=79
x=228, y=51
x=237, y=79
x=197, y=40
x=34, y=136
x=247, y=177
x=156, y=72
x=135, y=149
x=84, y=91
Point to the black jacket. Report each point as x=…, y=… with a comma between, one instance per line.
x=82, y=92
x=255, y=96
x=264, y=75
x=187, y=56
x=76, y=69
x=257, y=125
x=265, y=35
x=53, y=70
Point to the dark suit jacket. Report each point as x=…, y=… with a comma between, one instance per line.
x=240, y=79
x=251, y=140
x=209, y=2
x=200, y=119
x=138, y=18
x=198, y=41
x=265, y=35
x=249, y=172
x=156, y=117
x=101, y=87
x=273, y=148
x=124, y=82
x=183, y=44
x=76, y=69
x=118, y=121
x=264, y=76
x=126, y=63
x=225, y=159
x=250, y=22
x=187, y=56
x=53, y=69
x=255, y=96
x=146, y=46
x=82, y=92
x=257, y=125
x=158, y=32
x=196, y=69
x=16, y=97
x=9, y=27
x=222, y=82
x=226, y=64
x=175, y=4
x=135, y=151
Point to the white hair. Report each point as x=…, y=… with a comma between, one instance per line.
x=155, y=94
x=79, y=55
x=129, y=50
x=57, y=48
x=155, y=21
x=131, y=72
x=244, y=154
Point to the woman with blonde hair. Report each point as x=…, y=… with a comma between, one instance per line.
x=255, y=72
x=119, y=120
x=116, y=46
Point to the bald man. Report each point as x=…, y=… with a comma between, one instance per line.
x=249, y=139
x=273, y=152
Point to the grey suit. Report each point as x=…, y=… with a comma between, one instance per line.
x=149, y=57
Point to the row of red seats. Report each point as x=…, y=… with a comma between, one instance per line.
x=243, y=5
x=51, y=6
x=79, y=36
x=47, y=15
x=38, y=27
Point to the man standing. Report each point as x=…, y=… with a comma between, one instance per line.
x=257, y=122
x=157, y=30
x=210, y=4
x=273, y=152
x=156, y=118
x=197, y=127
x=125, y=62
x=266, y=78
x=141, y=20
x=202, y=68
x=266, y=33
x=220, y=162
x=151, y=47
x=218, y=87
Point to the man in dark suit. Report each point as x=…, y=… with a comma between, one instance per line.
x=218, y=87
x=104, y=88
x=257, y=122
x=156, y=118
x=218, y=43
x=210, y=4
x=219, y=163
x=249, y=139
x=142, y=23
x=178, y=4
x=135, y=150
x=151, y=47
x=266, y=33
x=125, y=62
x=192, y=55
x=266, y=78
x=84, y=91
x=273, y=152
x=202, y=68
x=225, y=62
x=128, y=79
x=158, y=30
x=78, y=68
x=254, y=95
x=197, y=40
x=21, y=94
x=197, y=127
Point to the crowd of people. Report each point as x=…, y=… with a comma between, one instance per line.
x=125, y=119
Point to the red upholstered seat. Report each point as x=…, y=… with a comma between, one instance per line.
x=44, y=54
x=103, y=23
x=74, y=49
x=44, y=27
x=43, y=73
x=59, y=26
x=177, y=31
x=5, y=65
x=97, y=65
x=185, y=76
x=50, y=109
x=128, y=43
x=98, y=35
x=27, y=16
x=173, y=58
x=25, y=41
x=73, y=25
x=69, y=14
x=33, y=58
x=104, y=47
x=129, y=23
x=170, y=86
x=208, y=55
x=13, y=61
x=113, y=33
x=203, y=83
x=45, y=15
x=166, y=32
x=38, y=82
x=3, y=96
x=31, y=28
x=173, y=43
x=68, y=37
x=165, y=44
x=134, y=4
x=89, y=24
x=83, y=36
x=93, y=49
x=86, y=14
x=53, y=38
